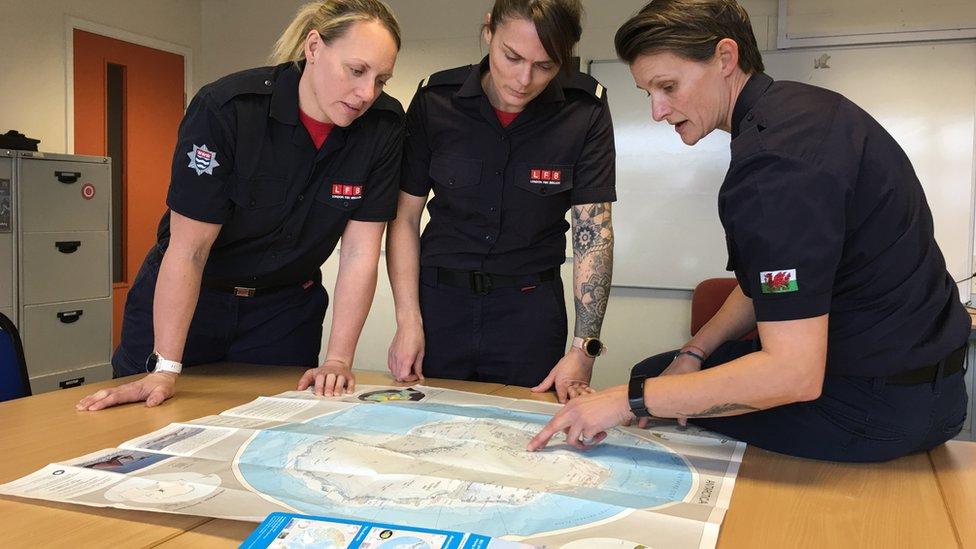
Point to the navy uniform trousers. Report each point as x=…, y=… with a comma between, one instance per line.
x=512, y=335
x=283, y=328
x=857, y=419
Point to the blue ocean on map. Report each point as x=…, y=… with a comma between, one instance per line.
x=643, y=473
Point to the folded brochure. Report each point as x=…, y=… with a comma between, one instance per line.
x=292, y=531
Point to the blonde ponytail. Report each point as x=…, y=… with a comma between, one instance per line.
x=331, y=18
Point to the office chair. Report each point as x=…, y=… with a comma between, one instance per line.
x=707, y=299
x=14, y=382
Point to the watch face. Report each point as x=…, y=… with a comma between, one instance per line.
x=592, y=346
x=151, y=362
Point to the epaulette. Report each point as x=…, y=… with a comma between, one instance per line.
x=386, y=102
x=586, y=83
x=251, y=81
x=449, y=77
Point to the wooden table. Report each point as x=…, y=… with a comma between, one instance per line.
x=924, y=500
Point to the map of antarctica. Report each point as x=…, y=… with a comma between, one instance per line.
x=421, y=457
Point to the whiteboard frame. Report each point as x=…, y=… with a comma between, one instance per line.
x=783, y=41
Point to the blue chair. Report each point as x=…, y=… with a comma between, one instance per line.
x=14, y=382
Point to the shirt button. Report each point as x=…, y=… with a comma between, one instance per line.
x=487, y=237
x=543, y=190
x=493, y=209
x=498, y=172
x=301, y=197
x=345, y=204
x=267, y=82
x=274, y=256
x=450, y=181
x=504, y=137
x=252, y=203
x=749, y=117
x=288, y=236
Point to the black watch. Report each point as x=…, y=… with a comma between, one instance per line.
x=635, y=395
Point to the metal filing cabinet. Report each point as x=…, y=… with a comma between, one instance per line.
x=8, y=257
x=61, y=287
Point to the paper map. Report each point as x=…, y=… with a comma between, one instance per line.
x=421, y=457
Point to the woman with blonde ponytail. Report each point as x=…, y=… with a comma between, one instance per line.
x=272, y=167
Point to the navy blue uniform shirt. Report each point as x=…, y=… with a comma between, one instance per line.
x=501, y=194
x=824, y=214
x=244, y=160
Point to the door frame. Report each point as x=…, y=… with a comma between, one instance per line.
x=71, y=23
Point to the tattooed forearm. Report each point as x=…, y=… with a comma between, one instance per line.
x=724, y=409
x=592, y=266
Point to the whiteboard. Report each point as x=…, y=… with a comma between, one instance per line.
x=666, y=219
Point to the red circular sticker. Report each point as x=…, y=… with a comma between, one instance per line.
x=88, y=191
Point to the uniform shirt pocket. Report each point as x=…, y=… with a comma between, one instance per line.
x=544, y=179
x=259, y=206
x=450, y=173
x=342, y=194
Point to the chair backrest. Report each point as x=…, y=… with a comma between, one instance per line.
x=707, y=299
x=14, y=382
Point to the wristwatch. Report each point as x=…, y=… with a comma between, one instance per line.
x=635, y=395
x=156, y=363
x=591, y=346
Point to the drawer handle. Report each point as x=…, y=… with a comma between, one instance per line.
x=70, y=316
x=69, y=383
x=68, y=177
x=68, y=246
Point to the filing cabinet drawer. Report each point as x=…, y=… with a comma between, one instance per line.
x=7, y=274
x=70, y=378
x=65, y=267
x=64, y=196
x=66, y=336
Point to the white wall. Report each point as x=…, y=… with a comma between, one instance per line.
x=33, y=92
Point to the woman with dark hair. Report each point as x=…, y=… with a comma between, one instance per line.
x=272, y=167
x=508, y=146
x=862, y=336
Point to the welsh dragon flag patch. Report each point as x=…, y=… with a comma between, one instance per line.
x=778, y=282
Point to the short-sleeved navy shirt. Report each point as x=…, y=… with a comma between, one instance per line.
x=823, y=213
x=501, y=194
x=244, y=160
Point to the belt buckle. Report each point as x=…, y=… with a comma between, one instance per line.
x=244, y=292
x=480, y=282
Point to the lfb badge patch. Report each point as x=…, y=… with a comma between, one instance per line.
x=778, y=282
x=538, y=176
x=202, y=160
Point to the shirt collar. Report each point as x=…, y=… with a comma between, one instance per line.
x=472, y=85
x=284, y=95
x=755, y=87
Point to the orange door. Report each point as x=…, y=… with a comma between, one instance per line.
x=148, y=86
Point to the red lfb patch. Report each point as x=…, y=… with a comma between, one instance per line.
x=342, y=190
x=538, y=175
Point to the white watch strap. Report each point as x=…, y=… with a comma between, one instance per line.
x=578, y=343
x=171, y=366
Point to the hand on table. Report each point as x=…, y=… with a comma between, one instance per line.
x=406, y=356
x=332, y=378
x=154, y=389
x=570, y=376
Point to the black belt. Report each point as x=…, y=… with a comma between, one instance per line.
x=482, y=283
x=926, y=374
x=247, y=291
